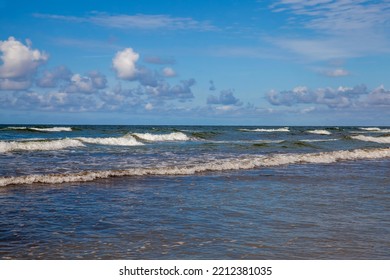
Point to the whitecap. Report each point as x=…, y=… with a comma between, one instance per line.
x=248, y=162
x=51, y=129
x=319, y=131
x=39, y=145
x=174, y=136
x=282, y=129
x=112, y=141
x=382, y=140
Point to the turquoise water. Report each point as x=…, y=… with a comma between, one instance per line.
x=194, y=192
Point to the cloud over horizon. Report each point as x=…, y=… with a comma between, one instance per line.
x=19, y=64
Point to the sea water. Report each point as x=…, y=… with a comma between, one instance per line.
x=194, y=192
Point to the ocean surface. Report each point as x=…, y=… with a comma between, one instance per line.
x=194, y=192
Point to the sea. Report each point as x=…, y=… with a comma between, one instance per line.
x=194, y=192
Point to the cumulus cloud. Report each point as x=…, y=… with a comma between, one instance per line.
x=226, y=97
x=54, y=77
x=341, y=97
x=164, y=90
x=124, y=64
x=168, y=72
x=90, y=83
x=379, y=97
x=19, y=64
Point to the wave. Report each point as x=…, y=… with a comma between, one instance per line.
x=174, y=136
x=248, y=162
x=375, y=129
x=127, y=140
x=319, y=131
x=60, y=144
x=382, y=140
x=41, y=129
x=51, y=129
x=39, y=145
x=319, y=140
x=283, y=129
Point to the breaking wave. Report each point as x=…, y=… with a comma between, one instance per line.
x=382, y=140
x=41, y=129
x=112, y=141
x=319, y=131
x=174, y=136
x=283, y=129
x=248, y=162
x=39, y=145
x=375, y=129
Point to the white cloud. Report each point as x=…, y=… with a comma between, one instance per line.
x=149, y=106
x=168, y=72
x=19, y=63
x=90, y=83
x=341, y=97
x=226, y=97
x=51, y=79
x=124, y=63
x=339, y=72
x=138, y=21
x=334, y=29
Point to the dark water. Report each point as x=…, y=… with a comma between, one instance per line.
x=309, y=196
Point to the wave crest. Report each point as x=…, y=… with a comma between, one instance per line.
x=282, y=129
x=174, y=136
x=112, y=141
x=249, y=162
x=319, y=131
x=381, y=140
x=40, y=145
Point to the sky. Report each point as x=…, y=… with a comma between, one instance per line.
x=245, y=62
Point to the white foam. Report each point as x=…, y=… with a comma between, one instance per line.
x=319, y=131
x=127, y=140
x=370, y=128
x=382, y=140
x=319, y=140
x=38, y=145
x=283, y=129
x=375, y=129
x=174, y=136
x=51, y=129
x=248, y=162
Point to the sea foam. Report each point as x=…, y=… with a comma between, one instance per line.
x=174, y=136
x=39, y=145
x=375, y=129
x=248, y=162
x=319, y=131
x=283, y=129
x=127, y=140
x=382, y=140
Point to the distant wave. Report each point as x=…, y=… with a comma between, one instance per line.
x=41, y=129
x=283, y=129
x=248, y=162
x=39, y=145
x=319, y=131
x=382, y=140
x=174, y=136
x=375, y=129
x=319, y=140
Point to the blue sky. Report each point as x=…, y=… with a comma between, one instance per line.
x=285, y=62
